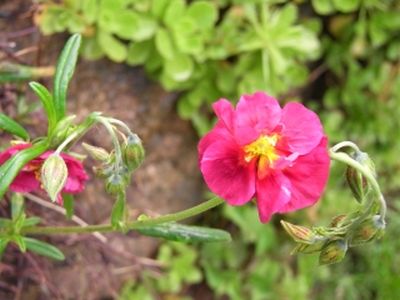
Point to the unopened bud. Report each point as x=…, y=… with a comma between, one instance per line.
x=115, y=184
x=62, y=130
x=333, y=252
x=357, y=182
x=97, y=153
x=300, y=234
x=54, y=175
x=315, y=246
x=369, y=229
x=338, y=221
x=133, y=152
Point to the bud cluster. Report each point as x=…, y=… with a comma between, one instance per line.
x=115, y=170
x=332, y=242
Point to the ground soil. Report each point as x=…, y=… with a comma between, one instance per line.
x=168, y=180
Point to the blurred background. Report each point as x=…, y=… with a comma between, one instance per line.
x=158, y=65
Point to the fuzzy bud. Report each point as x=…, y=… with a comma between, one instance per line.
x=115, y=184
x=300, y=234
x=369, y=229
x=54, y=175
x=133, y=152
x=333, y=252
x=97, y=153
x=357, y=182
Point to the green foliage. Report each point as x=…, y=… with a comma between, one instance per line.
x=179, y=264
x=9, y=125
x=205, y=48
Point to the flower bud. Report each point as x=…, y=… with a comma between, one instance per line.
x=369, y=229
x=115, y=184
x=133, y=152
x=316, y=246
x=62, y=130
x=333, y=252
x=97, y=153
x=357, y=182
x=300, y=234
x=54, y=175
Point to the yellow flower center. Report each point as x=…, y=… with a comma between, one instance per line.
x=264, y=148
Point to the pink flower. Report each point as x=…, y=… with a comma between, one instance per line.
x=258, y=150
x=28, y=179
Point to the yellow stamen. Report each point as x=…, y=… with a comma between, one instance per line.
x=264, y=149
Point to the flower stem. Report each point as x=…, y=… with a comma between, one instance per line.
x=346, y=159
x=345, y=144
x=178, y=216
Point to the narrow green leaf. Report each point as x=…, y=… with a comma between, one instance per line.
x=31, y=222
x=186, y=233
x=47, y=101
x=118, y=212
x=10, y=169
x=17, y=205
x=68, y=201
x=43, y=248
x=64, y=71
x=19, y=240
x=9, y=125
x=3, y=245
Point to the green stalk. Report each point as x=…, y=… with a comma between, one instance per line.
x=346, y=159
x=174, y=217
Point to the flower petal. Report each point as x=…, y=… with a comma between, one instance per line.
x=225, y=113
x=25, y=182
x=218, y=133
x=226, y=174
x=255, y=114
x=273, y=192
x=302, y=130
x=308, y=176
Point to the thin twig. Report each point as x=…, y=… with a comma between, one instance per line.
x=63, y=211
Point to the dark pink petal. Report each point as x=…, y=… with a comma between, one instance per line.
x=273, y=192
x=255, y=114
x=225, y=113
x=6, y=154
x=25, y=182
x=226, y=174
x=302, y=130
x=308, y=176
x=218, y=133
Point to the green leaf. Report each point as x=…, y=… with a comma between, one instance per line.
x=31, y=222
x=3, y=245
x=204, y=13
x=139, y=52
x=19, y=240
x=68, y=201
x=47, y=101
x=158, y=8
x=180, y=68
x=64, y=71
x=185, y=233
x=90, y=10
x=323, y=7
x=164, y=44
x=346, y=6
x=43, y=248
x=112, y=47
x=91, y=49
x=10, y=169
x=9, y=125
x=17, y=205
x=174, y=12
x=118, y=212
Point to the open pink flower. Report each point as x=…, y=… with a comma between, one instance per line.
x=28, y=179
x=258, y=150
